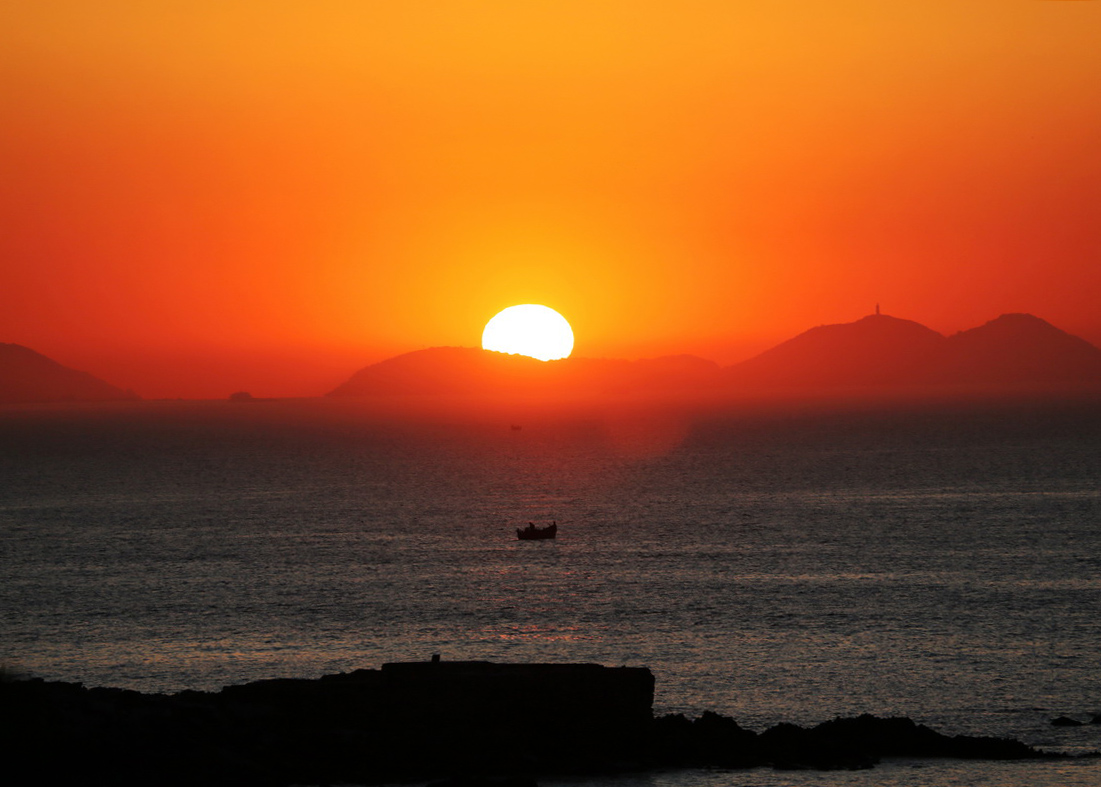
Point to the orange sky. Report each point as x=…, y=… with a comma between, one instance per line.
x=200, y=197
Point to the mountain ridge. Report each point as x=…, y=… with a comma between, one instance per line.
x=877, y=351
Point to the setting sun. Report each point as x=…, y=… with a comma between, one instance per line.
x=529, y=329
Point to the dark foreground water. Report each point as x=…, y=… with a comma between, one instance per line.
x=787, y=563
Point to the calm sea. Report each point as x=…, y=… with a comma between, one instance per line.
x=792, y=562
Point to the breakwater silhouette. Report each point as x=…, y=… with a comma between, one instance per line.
x=465, y=721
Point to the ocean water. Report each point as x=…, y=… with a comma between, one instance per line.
x=789, y=562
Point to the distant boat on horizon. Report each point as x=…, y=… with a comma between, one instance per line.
x=533, y=533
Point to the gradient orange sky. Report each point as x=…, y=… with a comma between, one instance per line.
x=202, y=197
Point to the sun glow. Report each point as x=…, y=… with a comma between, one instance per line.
x=529, y=329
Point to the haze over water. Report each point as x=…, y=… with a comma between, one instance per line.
x=793, y=562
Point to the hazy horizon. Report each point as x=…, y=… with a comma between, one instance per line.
x=311, y=376
x=248, y=190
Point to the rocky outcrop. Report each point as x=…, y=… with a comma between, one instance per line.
x=473, y=723
x=849, y=743
x=426, y=719
x=406, y=721
x=1065, y=721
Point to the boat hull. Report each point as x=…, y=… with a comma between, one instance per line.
x=533, y=533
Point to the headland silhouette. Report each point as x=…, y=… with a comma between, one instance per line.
x=28, y=376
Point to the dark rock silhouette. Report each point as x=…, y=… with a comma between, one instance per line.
x=839, y=744
x=711, y=740
x=485, y=781
x=27, y=376
x=1065, y=721
x=475, y=724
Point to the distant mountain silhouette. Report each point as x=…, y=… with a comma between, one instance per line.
x=1014, y=349
x=877, y=351
x=27, y=376
x=468, y=370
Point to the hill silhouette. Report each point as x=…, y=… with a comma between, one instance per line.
x=27, y=376
x=878, y=350
x=468, y=370
x=875, y=352
x=1017, y=349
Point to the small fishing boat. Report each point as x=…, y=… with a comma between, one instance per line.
x=531, y=532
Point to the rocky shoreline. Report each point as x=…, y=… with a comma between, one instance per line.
x=419, y=722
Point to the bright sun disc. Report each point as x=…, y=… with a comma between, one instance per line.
x=529, y=329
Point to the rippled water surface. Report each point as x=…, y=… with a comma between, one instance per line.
x=789, y=563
